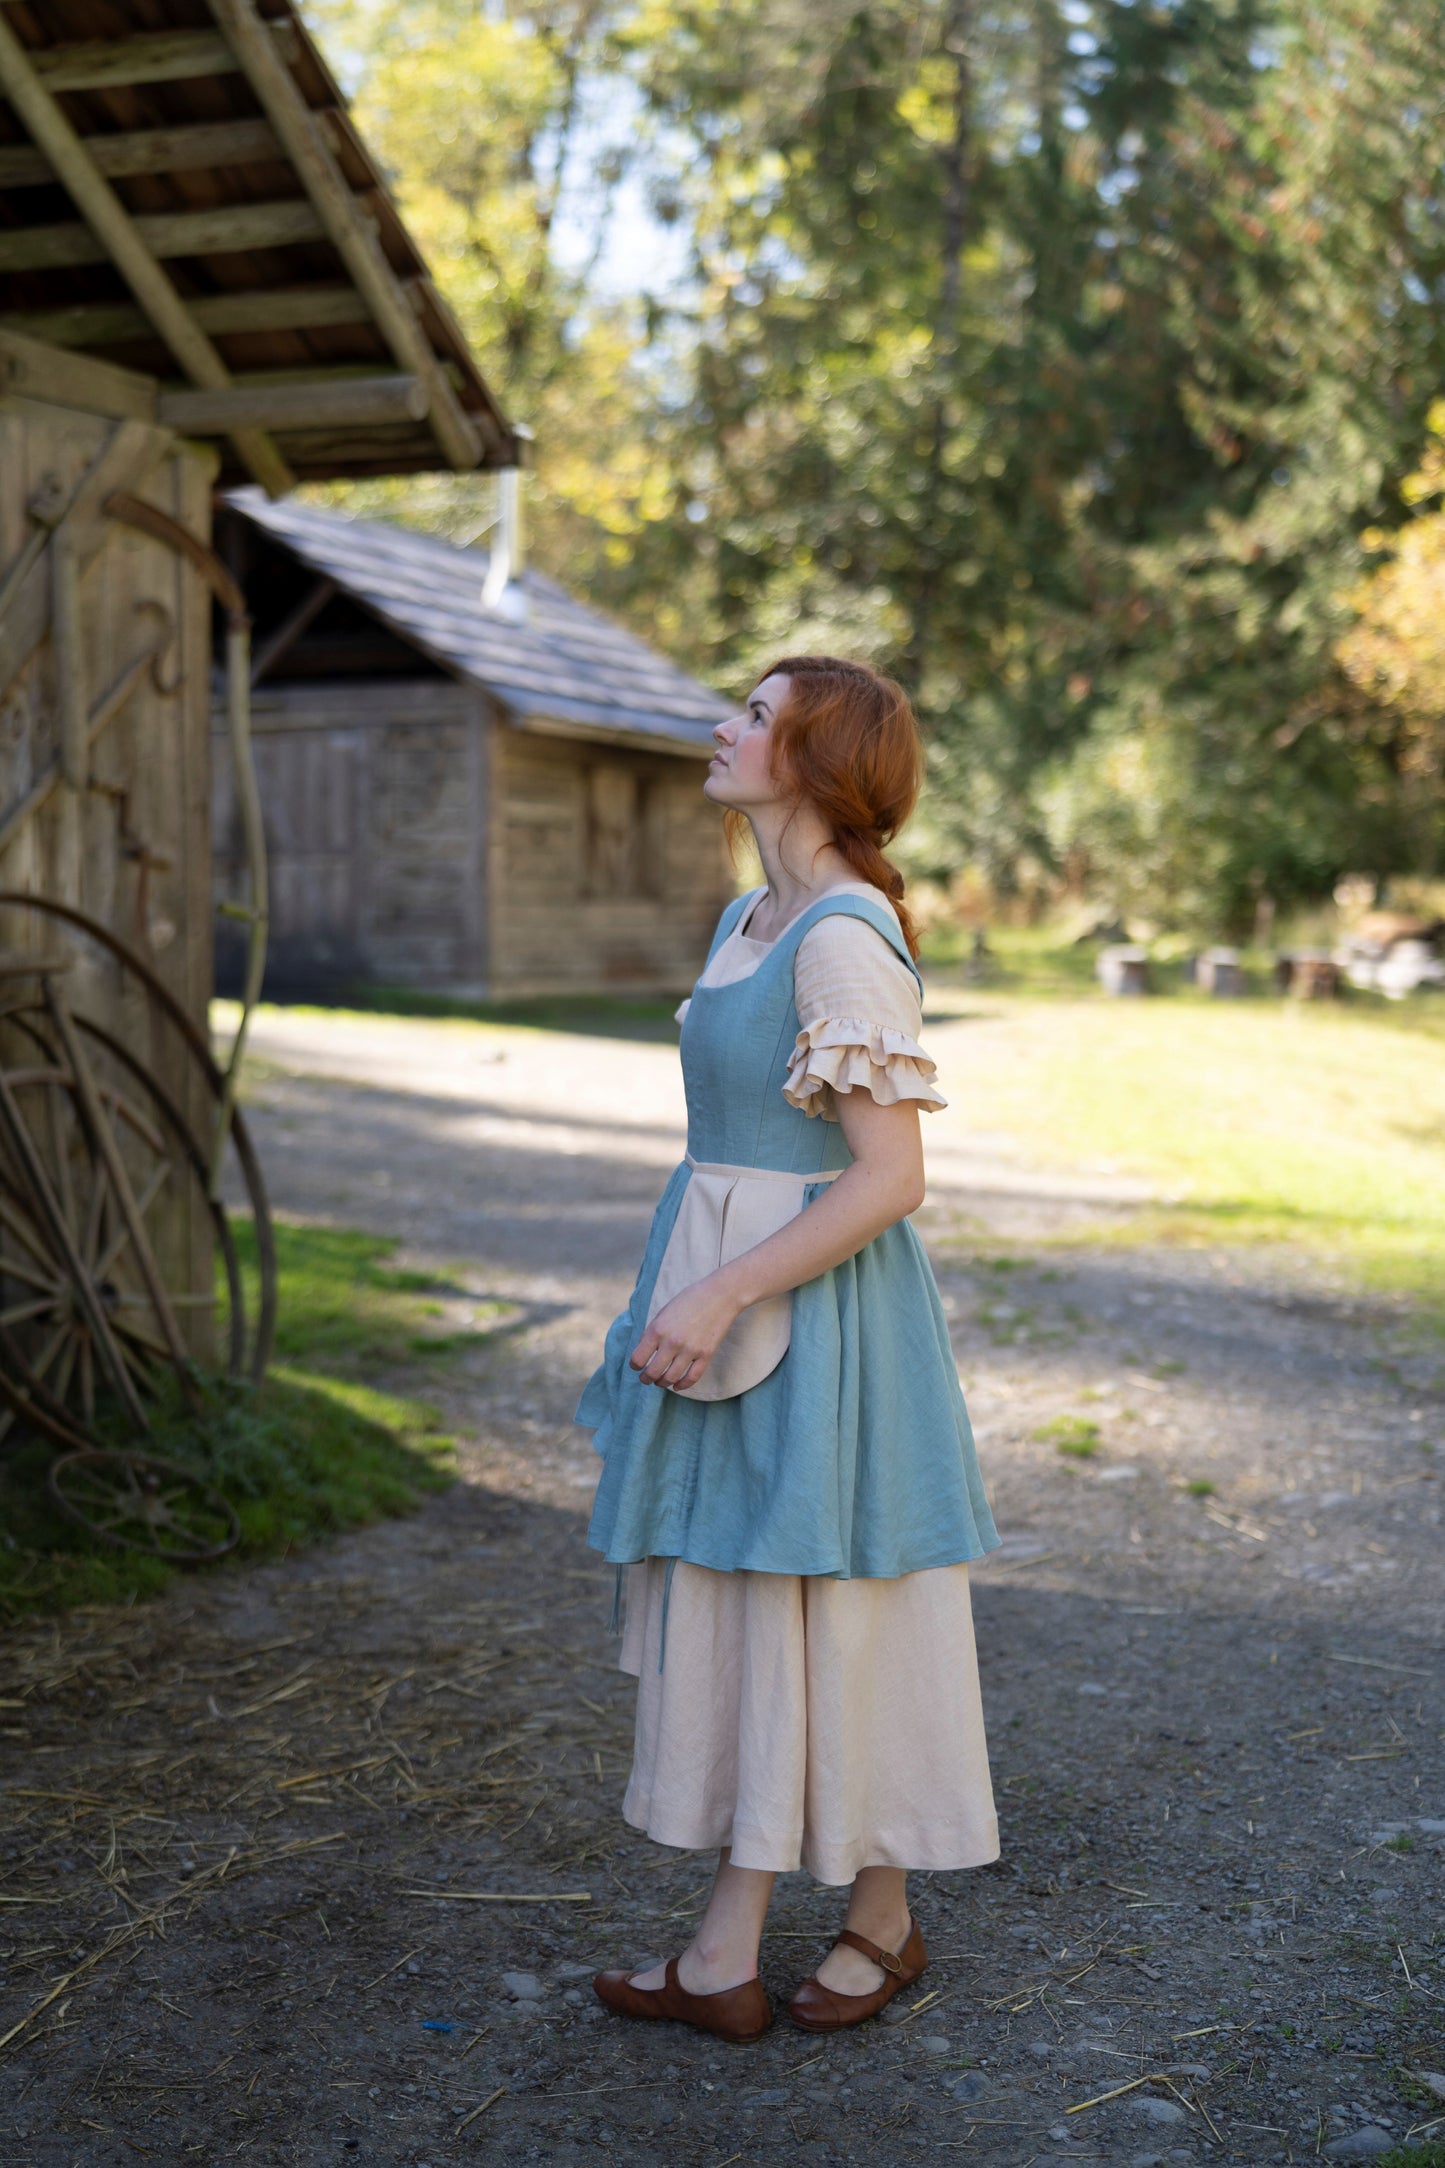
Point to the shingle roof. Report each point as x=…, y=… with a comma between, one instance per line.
x=566, y=661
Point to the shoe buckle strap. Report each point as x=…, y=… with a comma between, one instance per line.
x=886, y=1958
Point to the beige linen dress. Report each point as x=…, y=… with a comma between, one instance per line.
x=798, y=1719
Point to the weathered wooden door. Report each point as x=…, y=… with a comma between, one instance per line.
x=310, y=783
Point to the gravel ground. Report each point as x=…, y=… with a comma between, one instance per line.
x=313, y=1862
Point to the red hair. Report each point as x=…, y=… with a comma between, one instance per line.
x=848, y=741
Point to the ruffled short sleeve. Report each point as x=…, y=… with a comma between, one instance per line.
x=858, y=1005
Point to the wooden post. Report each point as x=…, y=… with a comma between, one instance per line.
x=104, y=212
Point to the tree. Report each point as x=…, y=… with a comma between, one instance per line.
x=485, y=120
x=1394, y=653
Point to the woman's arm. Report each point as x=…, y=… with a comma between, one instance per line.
x=884, y=1184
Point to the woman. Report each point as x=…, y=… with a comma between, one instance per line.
x=789, y=1481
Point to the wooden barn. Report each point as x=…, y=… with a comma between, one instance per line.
x=202, y=282
x=472, y=781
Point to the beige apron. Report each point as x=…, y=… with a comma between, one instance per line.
x=724, y=1211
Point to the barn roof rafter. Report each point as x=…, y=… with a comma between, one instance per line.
x=233, y=228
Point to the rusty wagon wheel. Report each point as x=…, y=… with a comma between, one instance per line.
x=100, y=1238
x=164, y=1048
x=145, y=1504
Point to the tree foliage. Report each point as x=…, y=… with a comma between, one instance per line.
x=1068, y=356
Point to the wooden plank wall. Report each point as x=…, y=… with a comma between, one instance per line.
x=608, y=867
x=418, y=840
x=133, y=851
x=371, y=795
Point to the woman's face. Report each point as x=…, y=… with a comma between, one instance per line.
x=740, y=771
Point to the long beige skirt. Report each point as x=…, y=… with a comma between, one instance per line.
x=804, y=1721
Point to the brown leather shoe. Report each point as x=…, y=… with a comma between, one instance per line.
x=736, y=2013
x=822, y=2009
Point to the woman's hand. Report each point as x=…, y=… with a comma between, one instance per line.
x=883, y=1185
x=684, y=1336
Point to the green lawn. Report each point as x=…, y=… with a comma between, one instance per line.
x=338, y=1435
x=1316, y=1123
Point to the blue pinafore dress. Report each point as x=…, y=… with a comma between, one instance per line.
x=814, y=1700
x=854, y=1456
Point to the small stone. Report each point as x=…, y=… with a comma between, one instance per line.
x=575, y=1972
x=777, y=2098
x=1430, y=1829
x=523, y=1986
x=1088, y=1687
x=572, y=1995
x=1432, y=2080
x=1366, y=2144
x=1120, y=1474
x=1060, y=2133
x=1147, y=2160
x=969, y=2085
x=1157, y=2111
x=935, y=2044
x=1201, y=2071
x=1043, y=2049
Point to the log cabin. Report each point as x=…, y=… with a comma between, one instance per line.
x=473, y=782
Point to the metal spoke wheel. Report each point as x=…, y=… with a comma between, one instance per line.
x=144, y=1504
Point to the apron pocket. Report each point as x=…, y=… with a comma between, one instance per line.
x=725, y=1211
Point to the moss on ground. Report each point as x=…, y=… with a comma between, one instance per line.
x=335, y=1436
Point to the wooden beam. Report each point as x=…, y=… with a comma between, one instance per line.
x=228, y=229
x=290, y=629
x=29, y=369
x=320, y=402
x=352, y=232
x=151, y=150
x=103, y=210
x=281, y=308
x=149, y=56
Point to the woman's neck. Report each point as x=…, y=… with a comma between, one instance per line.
x=800, y=861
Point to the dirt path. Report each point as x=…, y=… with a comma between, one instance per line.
x=266, y=1824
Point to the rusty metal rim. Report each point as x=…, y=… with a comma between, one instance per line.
x=140, y=1467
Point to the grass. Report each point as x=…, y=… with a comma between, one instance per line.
x=1073, y=1435
x=334, y=1438
x=1201, y=1487
x=1321, y=1125
x=1415, y=2156
x=344, y=1308
x=605, y=1016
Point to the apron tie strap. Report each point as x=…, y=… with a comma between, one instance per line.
x=666, y=1600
